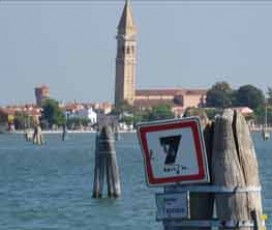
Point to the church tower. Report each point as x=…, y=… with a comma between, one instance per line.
x=125, y=58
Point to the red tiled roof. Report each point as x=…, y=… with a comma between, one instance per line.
x=171, y=92
x=196, y=91
x=7, y=111
x=25, y=110
x=154, y=92
x=73, y=106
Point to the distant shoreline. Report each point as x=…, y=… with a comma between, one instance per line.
x=259, y=128
x=68, y=132
x=252, y=129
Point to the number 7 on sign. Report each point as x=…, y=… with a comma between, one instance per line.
x=170, y=147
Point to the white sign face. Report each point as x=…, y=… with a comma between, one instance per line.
x=172, y=206
x=174, y=151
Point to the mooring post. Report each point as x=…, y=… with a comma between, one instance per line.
x=200, y=204
x=106, y=164
x=98, y=174
x=235, y=165
x=28, y=134
x=38, y=136
x=232, y=199
x=64, y=132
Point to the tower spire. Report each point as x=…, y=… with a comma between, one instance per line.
x=126, y=23
x=126, y=58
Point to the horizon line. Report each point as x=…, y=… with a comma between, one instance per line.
x=142, y=1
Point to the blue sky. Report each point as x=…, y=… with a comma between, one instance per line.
x=71, y=46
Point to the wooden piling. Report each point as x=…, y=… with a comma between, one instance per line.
x=38, y=136
x=64, y=132
x=201, y=204
x=28, y=135
x=106, y=165
x=234, y=164
x=235, y=183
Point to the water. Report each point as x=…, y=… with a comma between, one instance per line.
x=50, y=186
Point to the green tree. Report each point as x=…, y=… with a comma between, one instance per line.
x=128, y=119
x=123, y=107
x=52, y=113
x=140, y=116
x=269, y=94
x=220, y=95
x=160, y=112
x=250, y=96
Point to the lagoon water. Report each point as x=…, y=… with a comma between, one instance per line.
x=50, y=186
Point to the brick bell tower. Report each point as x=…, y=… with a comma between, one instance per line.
x=126, y=58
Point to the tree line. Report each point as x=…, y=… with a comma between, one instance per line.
x=219, y=96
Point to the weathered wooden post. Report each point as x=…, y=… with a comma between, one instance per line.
x=28, y=134
x=201, y=204
x=188, y=201
x=106, y=164
x=64, y=132
x=116, y=133
x=38, y=136
x=235, y=165
x=181, y=141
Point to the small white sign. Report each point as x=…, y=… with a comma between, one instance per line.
x=172, y=206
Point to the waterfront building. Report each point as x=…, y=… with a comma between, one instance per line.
x=30, y=112
x=81, y=113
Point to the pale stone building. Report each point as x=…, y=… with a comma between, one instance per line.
x=126, y=58
x=125, y=78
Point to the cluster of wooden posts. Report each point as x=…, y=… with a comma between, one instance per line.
x=35, y=135
x=106, y=164
x=232, y=199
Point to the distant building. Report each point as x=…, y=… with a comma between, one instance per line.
x=104, y=108
x=78, y=110
x=41, y=94
x=84, y=113
x=125, y=76
x=6, y=119
x=178, y=99
x=8, y=113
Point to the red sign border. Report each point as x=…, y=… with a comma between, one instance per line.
x=194, y=124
